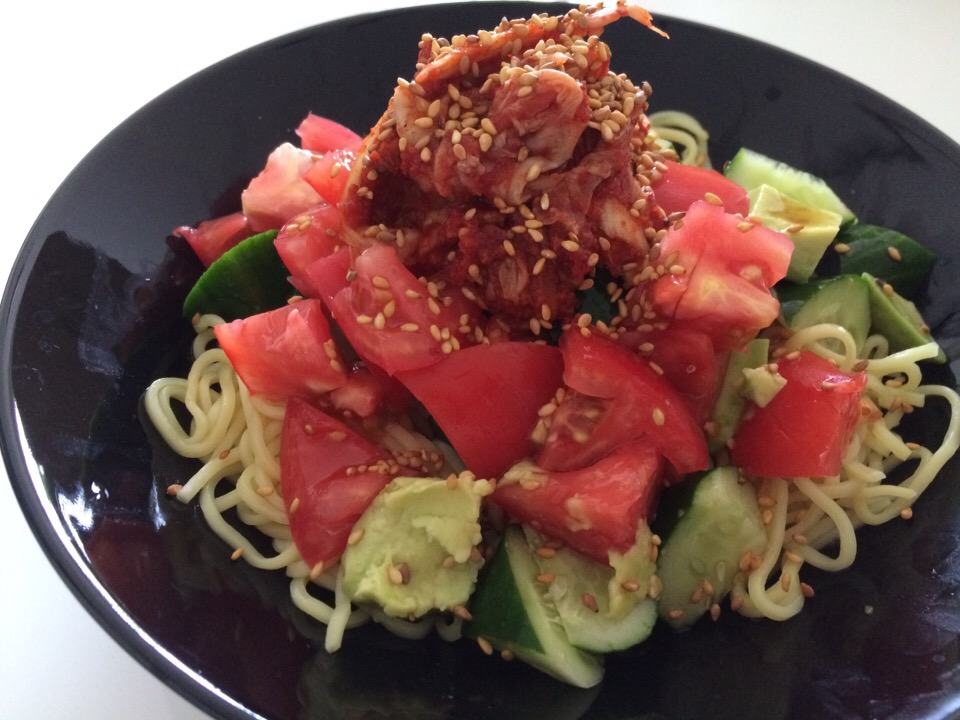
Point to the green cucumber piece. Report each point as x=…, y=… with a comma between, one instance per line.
x=843, y=300
x=511, y=610
x=750, y=170
x=811, y=229
x=599, y=629
x=721, y=522
x=887, y=254
x=897, y=318
x=247, y=279
x=725, y=416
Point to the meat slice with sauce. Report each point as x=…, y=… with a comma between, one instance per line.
x=513, y=163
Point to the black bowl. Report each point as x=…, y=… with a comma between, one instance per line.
x=92, y=314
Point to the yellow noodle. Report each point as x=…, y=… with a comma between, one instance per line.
x=774, y=602
x=680, y=128
x=339, y=618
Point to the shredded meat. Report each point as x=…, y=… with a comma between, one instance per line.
x=514, y=163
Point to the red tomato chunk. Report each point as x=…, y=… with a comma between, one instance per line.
x=279, y=192
x=389, y=316
x=324, y=491
x=806, y=428
x=636, y=403
x=321, y=135
x=593, y=510
x=285, y=352
x=212, y=238
x=683, y=185
x=726, y=267
x=306, y=238
x=486, y=400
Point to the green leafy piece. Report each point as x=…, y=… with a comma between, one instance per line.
x=887, y=254
x=248, y=279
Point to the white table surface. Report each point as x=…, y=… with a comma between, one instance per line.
x=72, y=73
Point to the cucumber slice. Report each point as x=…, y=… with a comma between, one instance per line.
x=725, y=416
x=810, y=229
x=595, y=624
x=843, y=300
x=248, y=279
x=700, y=557
x=750, y=170
x=886, y=254
x=510, y=609
x=897, y=319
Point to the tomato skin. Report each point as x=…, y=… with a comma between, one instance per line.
x=329, y=175
x=407, y=339
x=688, y=362
x=724, y=287
x=284, y=352
x=316, y=451
x=321, y=135
x=608, y=499
x=212, y=238
x=806, y=428
x=486, y=400
x=327, y=275
x=279, y=192
x=637, y=403
x=308, y=237
x=683, y=185
x=368, y=391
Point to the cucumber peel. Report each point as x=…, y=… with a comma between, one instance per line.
x=699, y=559
x=597, y=614
x=897, y=318
x=750, y=170
x=510, y=610
x=842, y=300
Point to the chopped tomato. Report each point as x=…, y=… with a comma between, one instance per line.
x=305, y=238
x=806, y=428
x=388, y=315
x=633, y=402
x=683, y=185
x=279, y=192
x=323, y=490
x=573, y=441
x=369, y=390
x=321, y=135
x=329, y=175
x=327, y=274
x=726, y=269
x=212, y=238
x=284, y=352
x=592, y=510
x=486, y=400
x=687, y=360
